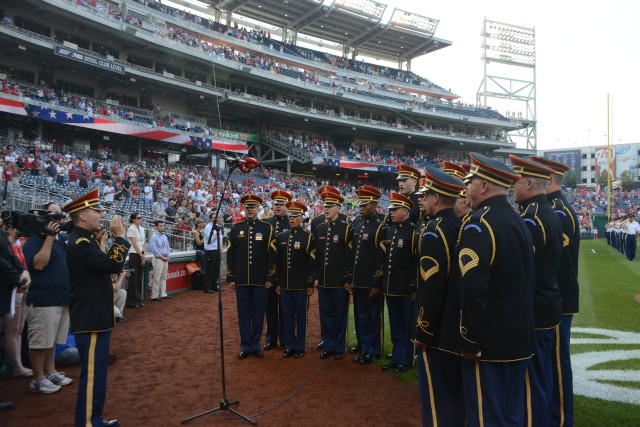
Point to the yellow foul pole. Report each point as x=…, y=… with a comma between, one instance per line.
x=608, y=159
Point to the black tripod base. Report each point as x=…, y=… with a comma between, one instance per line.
x=225, y=405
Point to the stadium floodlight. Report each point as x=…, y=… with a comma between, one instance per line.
x=368, y=8
x=414, y=22
x=509, y=43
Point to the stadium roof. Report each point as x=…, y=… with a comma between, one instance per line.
x=360, y=24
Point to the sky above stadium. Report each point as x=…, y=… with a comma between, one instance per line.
x=584, y=49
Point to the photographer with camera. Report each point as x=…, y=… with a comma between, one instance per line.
x=47, y=300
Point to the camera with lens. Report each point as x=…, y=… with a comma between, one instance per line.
x=129, y=270
x=35, y=221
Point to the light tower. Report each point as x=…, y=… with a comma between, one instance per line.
x=509, y=56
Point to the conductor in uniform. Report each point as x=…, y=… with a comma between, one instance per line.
x=251, y=271
x=296, y=250
x=408, y=178
x=399, y=286
x=495, y=258
x=280, y=222
x=366, y=279
x=439, y=379
x=91, y=308
x=562, y=404
x=332, y=276
x=531, y=195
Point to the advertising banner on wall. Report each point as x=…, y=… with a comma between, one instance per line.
x=602, y=161
x=626, y=160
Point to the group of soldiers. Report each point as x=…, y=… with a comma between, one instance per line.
x=481, y=295
x=622, y=235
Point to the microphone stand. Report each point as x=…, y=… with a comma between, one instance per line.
x=225, y=405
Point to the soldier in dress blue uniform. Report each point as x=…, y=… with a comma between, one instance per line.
x=440, y=384
x=332, y=276
x=91, y=308
x=458, y=170
x=562, y=404
x=296, y=250
x=280, y=223
x=497, y=271
x=544, y=225
x=251, y=270
x=399, y=286
x=408, y=178
x=366, y=279
x=321, y=219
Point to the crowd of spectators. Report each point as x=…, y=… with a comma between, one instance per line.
x=211, y=45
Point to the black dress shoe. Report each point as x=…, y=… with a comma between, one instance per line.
x=358, y=358
x=299, y=355
x=339, y=356
x=388, y=366
x=209, y=291
x=243, y=355
x=355, y=349
x=141, y=305
x=366, y=359
x=402, y=368
x=166, y=297
x=134, y=306
x=268, y=346
x=288, y=353
x=112, y=423
x=121, y=319
x=326, y=354
x=156, y=299
x=258, y=353
x=7, y=406
x=389, y=356
x=319, y=346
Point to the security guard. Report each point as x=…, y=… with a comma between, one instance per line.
x=441, y=395
x=91, y=309
x=332, y=276
x=407, y=181
x=544, y=225
x=495, y=258
x=251, y=270
x=366, y=279
x=562, y=405
x=399, y=285
x=280, y=223
x=296, y=249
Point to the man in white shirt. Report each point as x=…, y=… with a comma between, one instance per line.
x=148, y=193
x=108, y=191
x=632, y=229
x=211, y=255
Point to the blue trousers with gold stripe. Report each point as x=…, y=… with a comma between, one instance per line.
x=440, y=383
x=293, y=307
x=401, y=324
x=494, y=392
x=368, y=321
x=92, y=388
x=540, y=378
x=251, y=302
x=562, y=402
x=334, y=306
